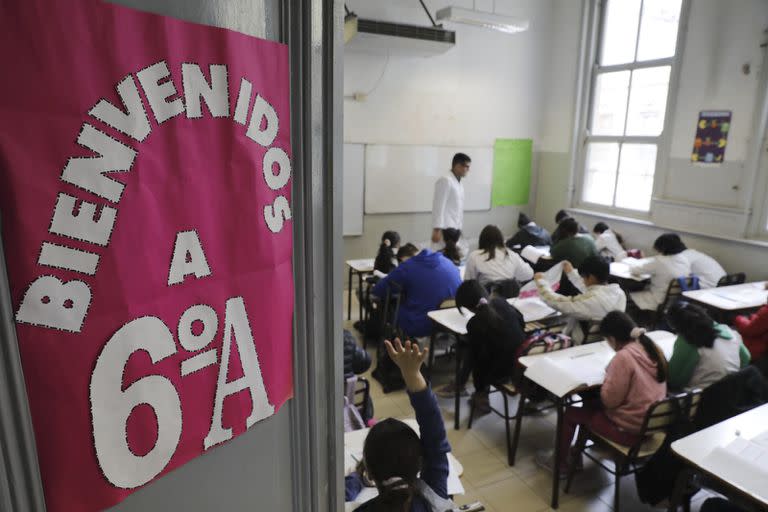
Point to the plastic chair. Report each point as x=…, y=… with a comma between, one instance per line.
x=674, y=292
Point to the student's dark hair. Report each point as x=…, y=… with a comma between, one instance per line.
x=619, y=326
x=474, y=297
x=392, y=450
x=669, y=244
x=407, y=251
x=389, y=242
x=569, y=227
x=451, y=238
x=490, y=240
x=693, y=323
x=595, y=266
x=602, y=227
x=460, y=158
x=562, y=214
x=523, y=220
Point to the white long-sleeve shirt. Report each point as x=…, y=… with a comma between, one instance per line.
x=593, y=303
x=505, y=265
x=448, y=203
x=704, y=266
x=607, y=243
x=662, y=269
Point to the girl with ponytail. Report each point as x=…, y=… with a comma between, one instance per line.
x=410, y=473
x=385, y=260
x=634, y=379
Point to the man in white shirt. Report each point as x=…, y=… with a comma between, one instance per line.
x=448, y=201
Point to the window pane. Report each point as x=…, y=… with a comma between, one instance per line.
x=658, y=29
x=635, y=184
x=619, y=32
x=648, y=101
x=600, y=175
x=610, y=103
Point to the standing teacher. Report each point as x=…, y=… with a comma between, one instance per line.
x=448, y=202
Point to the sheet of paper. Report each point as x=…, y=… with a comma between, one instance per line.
x=533, y=254
x=532, y=309
x=742, y=462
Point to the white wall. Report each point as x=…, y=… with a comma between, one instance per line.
x=720, y=38
x=490, y=85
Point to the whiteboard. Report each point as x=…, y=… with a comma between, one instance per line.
x=352, y=198
x=401, y=179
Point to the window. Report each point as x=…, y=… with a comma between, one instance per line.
x=630, y=82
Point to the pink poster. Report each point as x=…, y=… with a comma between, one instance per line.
x=145, y=177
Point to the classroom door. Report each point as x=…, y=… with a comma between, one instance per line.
x=293, y=460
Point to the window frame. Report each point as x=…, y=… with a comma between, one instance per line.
x=591, y=44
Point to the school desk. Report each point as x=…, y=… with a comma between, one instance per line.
x=360, y=267
x=738, y=298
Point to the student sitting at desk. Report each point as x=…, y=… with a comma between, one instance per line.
x=704, y=351
x=558, y=234
x=609, y=243
x=495, y=333
x=597, y=297
x=426, y=280
x=493, y=262
x=529, y=233
x=634, y=379
x=705, y=267
x=754, y=330
x=452, y=251
x=663, y=268
x=385, y=260
x=410, y=472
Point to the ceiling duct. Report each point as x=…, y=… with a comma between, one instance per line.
x=384, y=37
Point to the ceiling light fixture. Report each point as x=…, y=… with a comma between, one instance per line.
x=490, y=20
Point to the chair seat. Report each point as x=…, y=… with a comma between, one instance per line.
x=651, y=444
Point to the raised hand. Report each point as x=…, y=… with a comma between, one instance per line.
x=408, y=358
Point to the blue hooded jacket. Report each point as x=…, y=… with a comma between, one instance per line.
x=426, y=280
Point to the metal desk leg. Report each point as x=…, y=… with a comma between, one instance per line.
x=518, y=422
x=457, y=396
x=360, y=289
x=556, y=461
x=349, y=296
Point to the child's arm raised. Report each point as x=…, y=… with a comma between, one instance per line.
x=434, y=441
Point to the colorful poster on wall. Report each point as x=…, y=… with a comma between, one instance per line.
x=711, y=137
x=511, y=171
x=145, y=177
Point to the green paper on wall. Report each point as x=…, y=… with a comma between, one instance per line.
x=511, y=172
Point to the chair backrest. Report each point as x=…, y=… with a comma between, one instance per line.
x=664, y=413
x=692, y=404
x=731, y=279
x=675, y=290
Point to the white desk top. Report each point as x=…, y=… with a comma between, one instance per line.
x=533, y=309
x=623, y=269
x=364, y=265
x=591, y=355
x=353, y=449
x=697, y=448
x=732, y=298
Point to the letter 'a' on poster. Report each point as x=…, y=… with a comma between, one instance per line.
x=511, y=172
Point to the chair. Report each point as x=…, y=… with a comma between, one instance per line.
x=662, y=416
x=674, y=292
x=731, y=279
x=591, y=331
x=446, y=304
x=510, y=388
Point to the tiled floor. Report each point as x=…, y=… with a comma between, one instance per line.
x=482, y=451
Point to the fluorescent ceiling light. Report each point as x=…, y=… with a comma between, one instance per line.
x=490, y=20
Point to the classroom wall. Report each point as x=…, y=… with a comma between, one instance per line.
x=720, y=38
x=490, y=85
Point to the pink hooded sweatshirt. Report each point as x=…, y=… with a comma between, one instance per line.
x=631, y=387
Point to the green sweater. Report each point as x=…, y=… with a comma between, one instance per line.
x=686, y=362
x=574, y=249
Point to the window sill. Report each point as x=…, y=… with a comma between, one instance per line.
x=647, y=223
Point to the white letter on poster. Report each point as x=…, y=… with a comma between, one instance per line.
x=236, y=322
x=111, y=406
x=188, y=258
x=80, y=223
x=157, y=93
x=243, y=101
x=277, y=213
x=69, y=258
x=216, y=95
x=50, y=303
x=276, y=156
x=134, y=121
x=262, y=110
x=89, y=173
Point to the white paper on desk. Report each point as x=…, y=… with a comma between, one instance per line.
x=742, y=462
x=532, y=309
x=561, y=377
x=533, y=254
